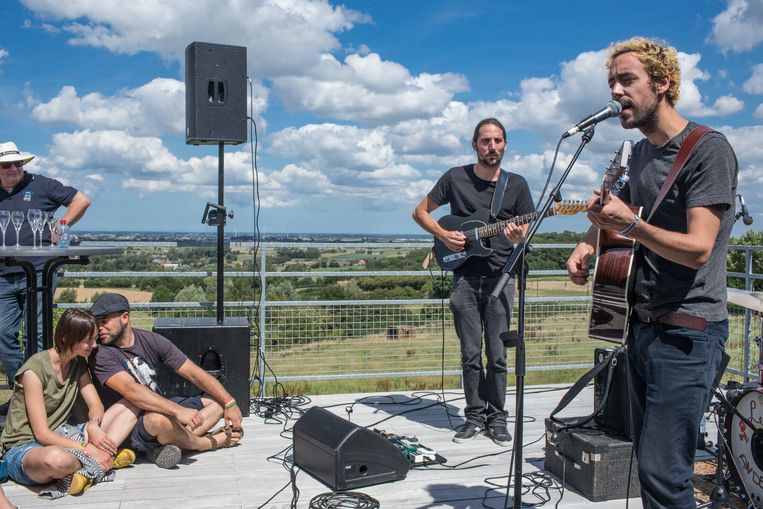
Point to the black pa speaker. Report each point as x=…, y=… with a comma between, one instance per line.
x=215, y=94
x=616, y=414
x=344, y=455
x=222, y=350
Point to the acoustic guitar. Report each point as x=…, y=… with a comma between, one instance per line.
x=477, y=228
x=613, y=276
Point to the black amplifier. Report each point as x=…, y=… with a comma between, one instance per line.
x=616, y=413
x=595, y=462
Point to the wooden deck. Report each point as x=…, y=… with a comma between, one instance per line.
x=244, y=477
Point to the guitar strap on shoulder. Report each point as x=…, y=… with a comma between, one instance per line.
x=500, y=188
x=687, y=147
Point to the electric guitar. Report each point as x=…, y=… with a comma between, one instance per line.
x=477, y=227
x=613, y=276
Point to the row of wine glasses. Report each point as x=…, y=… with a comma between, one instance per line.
x=37, y=218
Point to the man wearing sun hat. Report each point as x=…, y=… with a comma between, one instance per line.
x=21, y=190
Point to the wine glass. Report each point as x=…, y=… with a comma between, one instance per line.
x=17, y=217
x=34, y=216
x=5, y=218
x=50, y=220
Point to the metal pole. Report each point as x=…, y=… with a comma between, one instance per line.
x=220, y=233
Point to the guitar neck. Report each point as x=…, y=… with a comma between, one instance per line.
x=493, y=229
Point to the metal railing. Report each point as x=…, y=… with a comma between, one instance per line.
x=343, y=339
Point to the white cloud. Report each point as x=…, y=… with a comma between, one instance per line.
x=3, y=53
x=691, y=102
x=758, y=112
x=754, y=85
x=740, y=26
x=367, y=89
x=283, y=36
x=156, y=108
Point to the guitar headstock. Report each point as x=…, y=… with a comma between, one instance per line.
x=569, y=207
x=615, y=175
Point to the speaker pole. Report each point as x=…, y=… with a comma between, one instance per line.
x=220, y=232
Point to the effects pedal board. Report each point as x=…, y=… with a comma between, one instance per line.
x=411, y=449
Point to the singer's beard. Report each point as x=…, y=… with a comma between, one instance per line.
x=491, y=160
x=643, y=116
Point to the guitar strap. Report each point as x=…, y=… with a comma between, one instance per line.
x=500, y=188
x=687, y=147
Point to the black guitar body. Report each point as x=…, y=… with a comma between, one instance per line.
x=450, y=260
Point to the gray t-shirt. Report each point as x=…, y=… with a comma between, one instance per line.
x=708, y=178
x=141, y=360
x=466, y=193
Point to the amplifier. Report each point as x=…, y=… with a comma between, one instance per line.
x=616, y=414
x=595, y=462
x=344, y=455
x=222, y=350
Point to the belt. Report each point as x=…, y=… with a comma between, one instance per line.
x=680, y=320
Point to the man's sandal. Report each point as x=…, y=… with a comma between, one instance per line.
x=228, y=437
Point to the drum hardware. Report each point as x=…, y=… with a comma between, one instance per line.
x=740, y=442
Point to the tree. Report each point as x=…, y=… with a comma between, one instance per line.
x=96, y=296
x=68, y=295
x=162, y=294
x=190, y=293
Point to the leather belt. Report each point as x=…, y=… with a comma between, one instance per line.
x=679, y=320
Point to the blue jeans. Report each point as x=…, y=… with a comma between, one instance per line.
x=12, y=312
x=14, y=457
x=671, y=371
x=475, y=314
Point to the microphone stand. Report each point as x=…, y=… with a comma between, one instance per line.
x=513, y=268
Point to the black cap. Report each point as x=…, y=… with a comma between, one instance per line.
x=109, y=303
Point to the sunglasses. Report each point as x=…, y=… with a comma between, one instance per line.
x=17, y=164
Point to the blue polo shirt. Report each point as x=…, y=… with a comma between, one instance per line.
x=33, y=192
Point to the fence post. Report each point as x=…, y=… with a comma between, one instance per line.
x=263, y=314
x=747, y=313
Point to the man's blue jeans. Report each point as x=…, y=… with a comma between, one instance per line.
x=475, y=315
x=12, y=313
x=671, y=373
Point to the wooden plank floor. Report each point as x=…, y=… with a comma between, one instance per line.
x=244, y=477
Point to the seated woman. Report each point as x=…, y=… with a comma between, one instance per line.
x=37, y=445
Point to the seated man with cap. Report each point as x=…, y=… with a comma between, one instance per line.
x=21, y=191
x=125, y=365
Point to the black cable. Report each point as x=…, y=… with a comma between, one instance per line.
x=342, y=500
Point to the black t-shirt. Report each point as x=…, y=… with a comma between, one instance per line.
x=708, y=178
x=141, y=361
x=466, y=193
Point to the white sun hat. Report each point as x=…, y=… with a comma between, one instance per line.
x=9, y=153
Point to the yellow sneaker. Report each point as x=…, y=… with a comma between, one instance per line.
x=79, y=484
x=124, y=458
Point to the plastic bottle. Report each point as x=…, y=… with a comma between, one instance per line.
x=64, y=235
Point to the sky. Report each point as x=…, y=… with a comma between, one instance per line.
x=359, y=106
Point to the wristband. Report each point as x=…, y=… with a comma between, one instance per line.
x=230, y=404
x=625, y=231
x=96, y=420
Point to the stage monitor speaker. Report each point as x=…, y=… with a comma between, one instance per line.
x=215, y=94
x=222, y=350
x=616, y=414
x=344, y=455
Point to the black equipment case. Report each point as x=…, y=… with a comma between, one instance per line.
x=593, y=461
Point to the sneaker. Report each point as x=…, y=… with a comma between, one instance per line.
x=124, y=458
x=79, y=484
x=499, y=434
x=165, y=456
x=466, y=432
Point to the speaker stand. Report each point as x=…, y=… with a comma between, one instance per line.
x=221, y=232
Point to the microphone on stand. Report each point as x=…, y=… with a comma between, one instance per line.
x=743, y=212
x=612, y=109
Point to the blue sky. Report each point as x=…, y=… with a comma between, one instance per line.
x=360, y=106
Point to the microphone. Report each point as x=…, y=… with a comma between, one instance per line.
x=612, y=109
x=744, y=213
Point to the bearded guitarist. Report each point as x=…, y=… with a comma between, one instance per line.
x=468, y=189
x=680, y=320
